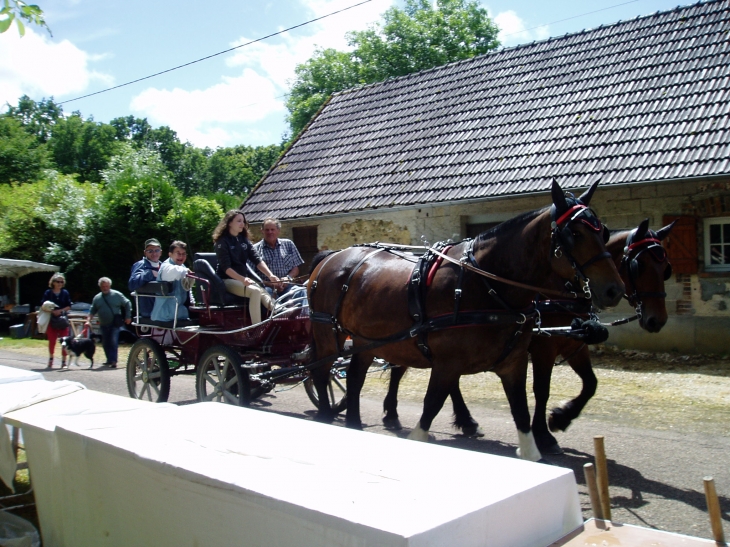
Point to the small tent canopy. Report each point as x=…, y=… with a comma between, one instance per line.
x=19, y=268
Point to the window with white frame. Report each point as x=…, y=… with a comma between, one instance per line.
x=717, y=244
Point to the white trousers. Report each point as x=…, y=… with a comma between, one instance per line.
x=256, y=297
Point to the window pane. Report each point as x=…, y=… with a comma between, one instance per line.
x=715, y=234
x=726, y=233
x=716, y=254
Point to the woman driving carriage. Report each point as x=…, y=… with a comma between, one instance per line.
x=233, y=249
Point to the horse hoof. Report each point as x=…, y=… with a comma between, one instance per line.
x=473, y=431
x=419, y=434
x=527, y=448
x=392, y=424
x=553, y=449
x=558, y=420
x=324, y=417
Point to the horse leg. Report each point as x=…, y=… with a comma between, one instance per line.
x=439, y=387
x=390, y=403
x=462, y=417
x=543, y=361
x=514, y=384
x=320, y=378
x=356, y=373
x=563, y=415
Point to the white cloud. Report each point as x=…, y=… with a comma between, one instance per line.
x=228, y=113
x=215, y=116
x=35, y=66
x=512, y=29
x=277, y=59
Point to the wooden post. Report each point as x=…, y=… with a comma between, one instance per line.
x=590, y=473
x=602, y=476
x=713, y=508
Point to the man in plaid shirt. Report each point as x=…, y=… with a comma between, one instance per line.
x=280, y=255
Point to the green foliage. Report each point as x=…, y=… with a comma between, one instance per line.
x=83, y=146
x=22, y=157
x=419, y=37
x=235, y=171
x=17, y=10
x=45, y=221
x=136, y=199
x=37, y=118
x=193, y=221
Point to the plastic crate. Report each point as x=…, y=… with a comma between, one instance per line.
x=17, y=331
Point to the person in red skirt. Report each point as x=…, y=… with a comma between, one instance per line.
x=59, y=296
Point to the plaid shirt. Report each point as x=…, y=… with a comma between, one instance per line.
x=281, y=259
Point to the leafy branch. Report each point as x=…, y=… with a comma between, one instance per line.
x=19, y=11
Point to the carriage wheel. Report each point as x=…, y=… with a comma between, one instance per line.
x=336, y=387
x=220, y=378
x=148, y=373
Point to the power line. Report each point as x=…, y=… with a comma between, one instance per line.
x=215, y=54
x=569, y=18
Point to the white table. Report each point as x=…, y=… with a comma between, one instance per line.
x=115, y=471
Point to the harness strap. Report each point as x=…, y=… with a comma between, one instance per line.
x=313, y=285
x=502, y=279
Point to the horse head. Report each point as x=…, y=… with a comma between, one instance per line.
x=644, y=269
x=579, y=247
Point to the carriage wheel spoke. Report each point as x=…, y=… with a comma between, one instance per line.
x=230, y=397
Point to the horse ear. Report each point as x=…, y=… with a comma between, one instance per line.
x=641, y=230
x=559, y=197
x=664, y=232
x=586, y=197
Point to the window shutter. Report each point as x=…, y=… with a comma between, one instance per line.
x=681, y=244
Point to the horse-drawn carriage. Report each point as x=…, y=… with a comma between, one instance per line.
x=461, y=309
x=234, y=361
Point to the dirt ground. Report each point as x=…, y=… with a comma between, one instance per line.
x=654, y=391
x=662, y=391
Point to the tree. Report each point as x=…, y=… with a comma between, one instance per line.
x=38, y=118
x=15, y=10
x=84, y=147
x=419, y=37
x=236, y=170
x=45, y=221
x=22, y=157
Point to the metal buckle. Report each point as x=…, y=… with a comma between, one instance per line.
x=587, y=288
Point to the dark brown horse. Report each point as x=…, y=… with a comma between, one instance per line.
x=643, y=265
x=467, y=324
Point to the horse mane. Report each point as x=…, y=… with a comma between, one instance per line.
x=508, y=225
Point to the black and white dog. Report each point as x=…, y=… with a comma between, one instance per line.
x=78, y=346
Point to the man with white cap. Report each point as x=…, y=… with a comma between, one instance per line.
x=145, y=271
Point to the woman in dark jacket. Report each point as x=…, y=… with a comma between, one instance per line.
x=59, y=296
x=233, y=249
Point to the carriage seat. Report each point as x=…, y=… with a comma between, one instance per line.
x=204, y=266
x=155, y=289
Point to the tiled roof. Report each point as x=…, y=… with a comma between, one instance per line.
x=642, y=100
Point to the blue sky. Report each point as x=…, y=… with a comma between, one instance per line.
x=238, y=97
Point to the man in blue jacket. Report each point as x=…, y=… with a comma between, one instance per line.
x=145, y=271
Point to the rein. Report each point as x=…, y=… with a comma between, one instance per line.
x=463, y=264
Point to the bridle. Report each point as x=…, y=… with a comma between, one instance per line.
x=563, y=241
x=651, y=244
